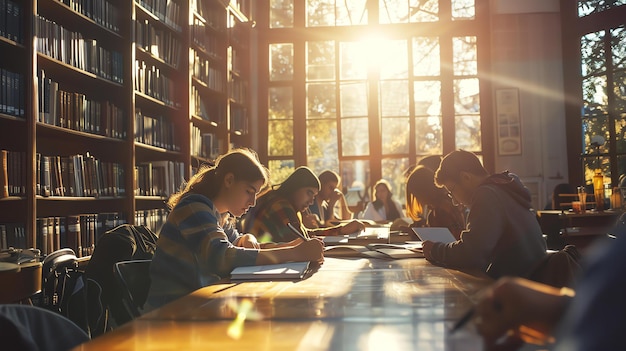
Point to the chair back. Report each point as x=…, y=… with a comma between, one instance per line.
x=559, y=268
x=59, y=276
x=134, y=279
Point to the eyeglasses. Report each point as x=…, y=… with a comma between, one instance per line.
x=450, y=190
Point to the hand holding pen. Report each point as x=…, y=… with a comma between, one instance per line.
x=297, y=232
x=515, y=310
x=314, y=247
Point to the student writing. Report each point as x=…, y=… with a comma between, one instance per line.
x=199, y=245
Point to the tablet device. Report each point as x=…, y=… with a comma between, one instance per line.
x=436, y=234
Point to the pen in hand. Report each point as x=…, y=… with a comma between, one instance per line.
x=468, y=317
x=293, y=229
x=463, y=320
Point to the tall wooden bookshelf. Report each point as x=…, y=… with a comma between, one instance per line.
x=107, y=106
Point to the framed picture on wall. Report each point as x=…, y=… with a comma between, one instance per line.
x=509, y=126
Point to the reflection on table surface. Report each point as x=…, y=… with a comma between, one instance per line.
x=349, y=304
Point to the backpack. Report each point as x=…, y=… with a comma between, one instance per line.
x=122, y=243
x=64, y=290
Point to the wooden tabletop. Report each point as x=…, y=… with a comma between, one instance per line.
x=348, y=304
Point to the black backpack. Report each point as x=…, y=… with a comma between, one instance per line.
x=122, y=243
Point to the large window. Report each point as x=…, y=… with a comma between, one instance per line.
x=367, y=88
x=601, y=45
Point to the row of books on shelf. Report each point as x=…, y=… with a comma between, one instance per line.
x=238, y=120
x=102, y=12
x=159, y=178
x=12, y=90
x=74, y=49
x=210, y=73
x=160, y=43
x=212, y=110
x=78, y=232
x=168, y=11
x=237, y=59
x=205, y=145
x=156, y=131
x=152, y=218
x=12, y=173
x=11, y=20
x=212, y=12
x=79, y=176
x=76, y=111
x=150, y=80
x=207, y=42
x=238, y=89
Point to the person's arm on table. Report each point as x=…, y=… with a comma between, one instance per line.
x=517, y=308
x=310, y=250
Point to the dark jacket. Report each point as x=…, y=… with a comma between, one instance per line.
x=503, y=236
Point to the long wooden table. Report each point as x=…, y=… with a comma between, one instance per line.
x=348, y=304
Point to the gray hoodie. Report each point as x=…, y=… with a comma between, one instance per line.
x=502, y=237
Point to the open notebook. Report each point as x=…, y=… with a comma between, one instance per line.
x=280, y=271
x=368, y=235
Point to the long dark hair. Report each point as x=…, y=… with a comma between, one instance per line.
x=243, y=163
x=391, y=210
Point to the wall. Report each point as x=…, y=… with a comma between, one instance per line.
x=526, y=54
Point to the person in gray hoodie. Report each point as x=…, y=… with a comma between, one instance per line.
x=502, y=235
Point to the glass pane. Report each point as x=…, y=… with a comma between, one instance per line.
x=467, y=130
x=427, y=98
x=393, y=11
x=355, y=176
x=426, y=58
x=355, y=137
x=592, y=129
x=428, y=136
x=465, y=59
x=281, y=62
x=595, y=97
x=281, y=13
x=281, y=103
x=322, y=145
x=320, y=13
x=587, y=7
x=395, y=133
x=320, y=60
x=280, y=138
x=353, y=99
x=393, y=170
x=466, y=96
x=321, y=101
x=463, y=9
x=280, y=170
x=592, y=53
x=393, y=59
x=394, y=98
x=351, y=12
x=618, y=47
x=353, y=58
x=423, y=11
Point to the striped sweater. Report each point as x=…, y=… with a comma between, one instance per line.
x=195, y=249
